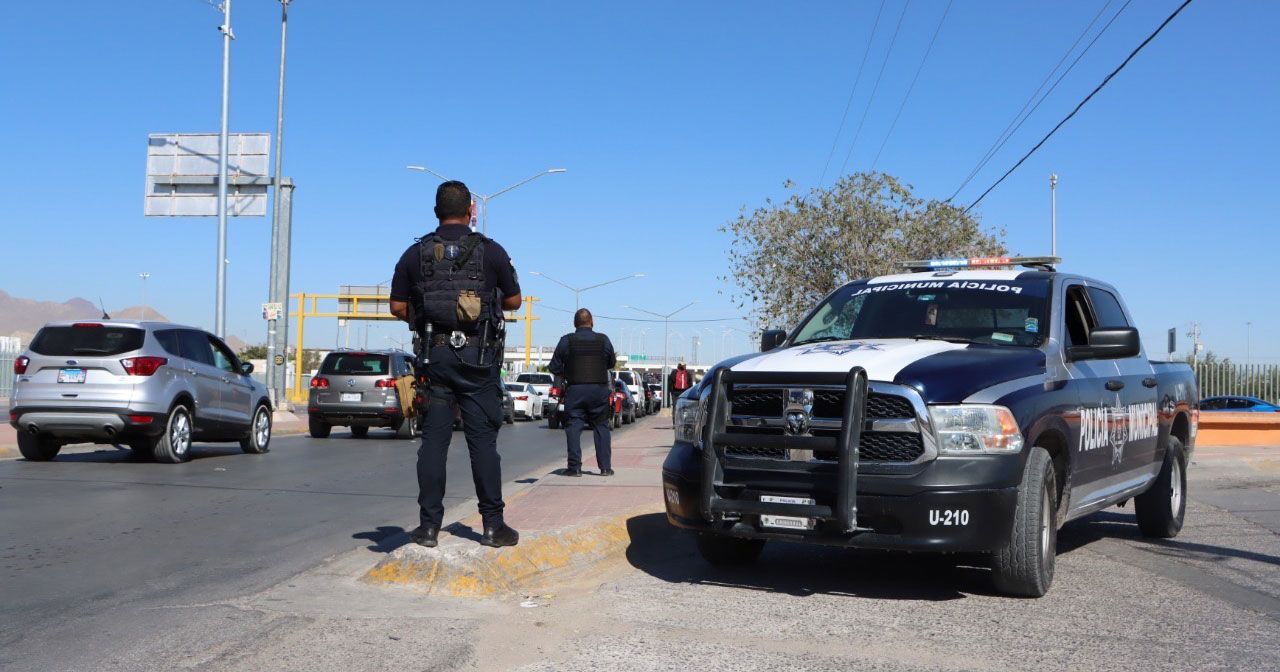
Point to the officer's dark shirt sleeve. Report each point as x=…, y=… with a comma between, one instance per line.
x=609, y=354
x=556, y=366
x=496, y=257
x=402, y=280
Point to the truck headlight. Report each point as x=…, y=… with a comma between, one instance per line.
x=974, y=429
x=687, y=419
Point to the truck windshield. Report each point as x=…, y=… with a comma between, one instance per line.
x=992, y=312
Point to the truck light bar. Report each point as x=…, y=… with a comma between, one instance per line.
x=1046, y=263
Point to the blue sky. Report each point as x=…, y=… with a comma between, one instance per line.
x=669, y=117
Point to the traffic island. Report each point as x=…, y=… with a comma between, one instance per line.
x=568, y=526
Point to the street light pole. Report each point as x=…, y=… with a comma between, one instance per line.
x=144, y=275
x=484, y=199
x=577, y=291
x=220, y=310
x=666, y=323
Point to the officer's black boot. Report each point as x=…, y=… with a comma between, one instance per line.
x=499, y=535
x=424, y=536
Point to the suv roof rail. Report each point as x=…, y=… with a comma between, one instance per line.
x=1038, y=263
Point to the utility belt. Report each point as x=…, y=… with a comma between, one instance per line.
x=458, y=339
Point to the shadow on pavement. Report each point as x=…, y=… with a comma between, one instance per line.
x=667, y=553
x=107, y=454
x=385, y=538
x=1124, y=527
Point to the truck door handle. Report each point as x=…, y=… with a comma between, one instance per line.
x=1148, y=382
x=1115, y=385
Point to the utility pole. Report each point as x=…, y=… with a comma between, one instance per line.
x=1195, y=343
x=1053, y=215
x=220, y=314
x=281, y=240
x=144, y=275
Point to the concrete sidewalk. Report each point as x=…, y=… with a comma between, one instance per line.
x=565, y=524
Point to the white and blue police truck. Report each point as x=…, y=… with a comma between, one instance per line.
x=964, y=405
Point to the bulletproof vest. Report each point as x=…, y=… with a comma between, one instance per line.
x=451, y=291
x=588, y=364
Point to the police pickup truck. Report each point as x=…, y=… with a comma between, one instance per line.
x=957, y=407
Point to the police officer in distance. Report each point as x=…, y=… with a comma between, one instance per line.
x=584, y=358
x=451, y=286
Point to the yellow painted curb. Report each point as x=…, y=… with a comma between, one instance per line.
x=464, y=568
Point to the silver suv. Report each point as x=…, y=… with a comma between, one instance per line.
x=153, y=386
x=357, y=388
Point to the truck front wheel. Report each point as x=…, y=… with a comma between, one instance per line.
x=719, y=549
x=1025, y=565
x=1161, y=508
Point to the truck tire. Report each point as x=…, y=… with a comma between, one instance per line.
x=37, y=448
x=1162, y=507
x=174, y=445
x=359, y=431
x=617, y=420
x=719, y=549
x=408, y=429
x=259, y=439
x=1025, y=565
x=319, y=428
x=553, y=421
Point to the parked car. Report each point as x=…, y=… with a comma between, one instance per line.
x=627, y=413
x=527, y=401
x=153, y=386
x=555, y=405
x=1238, y=405
x=357, y=389
x=618, y=401
x=508, y=410
x=656, y=390
x=637, y=391
x=542, y=382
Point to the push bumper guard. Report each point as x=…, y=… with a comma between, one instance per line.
x=842, y=517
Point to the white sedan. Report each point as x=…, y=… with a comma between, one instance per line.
x=528, y=401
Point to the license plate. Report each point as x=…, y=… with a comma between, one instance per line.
x=350, y=396
x=71, y=375
x=786, y=522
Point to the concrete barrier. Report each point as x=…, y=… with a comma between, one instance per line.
x=1221, y=428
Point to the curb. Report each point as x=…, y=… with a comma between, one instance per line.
x=461, y=567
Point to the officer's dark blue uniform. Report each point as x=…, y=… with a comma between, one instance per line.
x=463, y=363
x=584, y=359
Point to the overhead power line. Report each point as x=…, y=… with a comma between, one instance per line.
x=840, y=129
x=1087, y=98
x=912, y=87
x=1020, y=118
x=870, y=101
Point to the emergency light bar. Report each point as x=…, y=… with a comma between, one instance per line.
x=1046, y=263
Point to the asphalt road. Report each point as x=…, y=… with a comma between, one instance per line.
x=91, y=539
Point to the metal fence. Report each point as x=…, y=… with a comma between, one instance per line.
x=10, y=348
x=1247, y=380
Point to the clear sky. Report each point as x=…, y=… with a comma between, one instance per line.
x=669, y=116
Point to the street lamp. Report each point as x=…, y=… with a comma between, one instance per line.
x=484, y=200
x=666, y=319
x=144, y=275
x=577, y=291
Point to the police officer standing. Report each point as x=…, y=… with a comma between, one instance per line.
x=584, y=359
x=451, y=286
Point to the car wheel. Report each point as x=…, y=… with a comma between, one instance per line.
x=408, y=428
x=1025, y=565
x=1163, y=506
x=37, y=448
x=617, y=420
x=719, y=549
x=259, y=439
x=358, y=432
x=319, y=428
x=174, y=445
x=510, y=418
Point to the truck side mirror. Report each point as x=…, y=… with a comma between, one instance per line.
x=771, y=339
x=1108, y=343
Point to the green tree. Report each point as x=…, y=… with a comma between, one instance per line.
x=254, y=352
x=785, y=257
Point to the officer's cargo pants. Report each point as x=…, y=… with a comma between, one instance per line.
x=477, y=393
x=587, y=404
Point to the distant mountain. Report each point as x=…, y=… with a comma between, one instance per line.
x=23, y=317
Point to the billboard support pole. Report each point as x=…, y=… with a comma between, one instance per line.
x=220, y=314
x=278, y=284
x=280, y=334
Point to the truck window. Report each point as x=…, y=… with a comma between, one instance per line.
x=1107, y=308
x=1077, y=316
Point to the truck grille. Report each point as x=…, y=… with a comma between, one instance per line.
x=767, y=404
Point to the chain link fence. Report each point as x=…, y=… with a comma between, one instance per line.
x=1245, y=380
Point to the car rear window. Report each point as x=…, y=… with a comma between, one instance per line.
x=515, y=387
x=87, y=341
x=355, y=364
x=535, y=378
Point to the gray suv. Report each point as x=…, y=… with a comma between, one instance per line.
x=153, y=386
x=357, y=388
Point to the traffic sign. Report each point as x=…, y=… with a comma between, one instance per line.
x=271, y=311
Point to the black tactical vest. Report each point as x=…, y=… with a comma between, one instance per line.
x=451, y=291
x=588, y=364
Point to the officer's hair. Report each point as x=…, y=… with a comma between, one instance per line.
x=581, y=318
x=452, y=200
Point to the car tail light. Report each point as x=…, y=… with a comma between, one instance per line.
x=385, y=382
x=13, y=416
x=141, y=419
x=555, y=392
x=20, y=365
x=523, y=397
x=320, y=382
x=142, y=366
